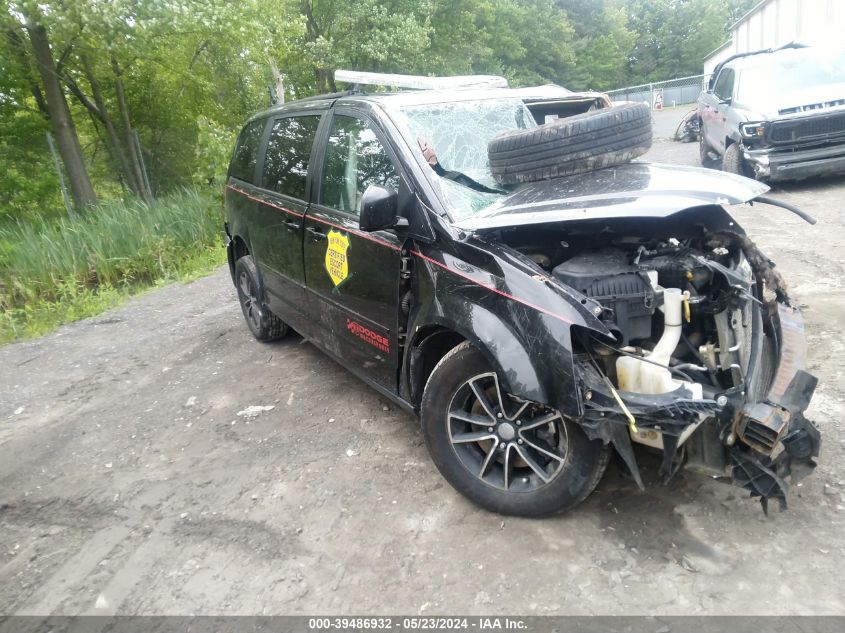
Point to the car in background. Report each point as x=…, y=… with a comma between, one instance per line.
x=550, y=102
x=776, y=114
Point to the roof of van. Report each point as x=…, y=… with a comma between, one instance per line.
x=548, y=92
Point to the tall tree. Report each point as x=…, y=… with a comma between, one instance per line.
x=502, y=37
x=674, y=36
x=184, y=74
x=376, y=35
x=603, y=43
x=55, y=104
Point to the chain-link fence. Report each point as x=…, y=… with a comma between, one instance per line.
x=666, y=93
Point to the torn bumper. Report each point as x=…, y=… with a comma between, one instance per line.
x=765, y=476
x=773, y=164
x=775, y=439
x=759, y=443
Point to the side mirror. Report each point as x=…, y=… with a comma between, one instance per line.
x=378, y=209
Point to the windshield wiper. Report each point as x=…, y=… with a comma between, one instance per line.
x=455, y=176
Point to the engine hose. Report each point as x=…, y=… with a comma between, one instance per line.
x=785, y=205
x=405, y=304
x=644, y=359
x=713, y=380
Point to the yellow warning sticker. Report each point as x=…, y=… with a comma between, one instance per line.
x=337, y=264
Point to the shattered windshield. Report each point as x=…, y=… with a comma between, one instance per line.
x=458, y=132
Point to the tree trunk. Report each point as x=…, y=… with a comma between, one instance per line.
x=57, y=108
x=117, y=150
x=132, y=155
x=278, y=82
x=17, y=45
x=314, y=30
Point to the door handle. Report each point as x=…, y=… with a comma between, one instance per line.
x=292, y=225
x=317, y=232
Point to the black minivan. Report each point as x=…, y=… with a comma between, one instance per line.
x=534, y=328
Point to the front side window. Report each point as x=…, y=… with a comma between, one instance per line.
x=725, y=84
x=243, y=162
x=355, y=159
x=288, y=153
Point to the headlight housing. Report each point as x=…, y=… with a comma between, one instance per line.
x=753, y=130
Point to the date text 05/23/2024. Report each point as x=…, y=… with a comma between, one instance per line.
x=416, y=624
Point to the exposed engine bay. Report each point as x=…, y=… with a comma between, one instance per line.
x=704, y=360
x=686, y=308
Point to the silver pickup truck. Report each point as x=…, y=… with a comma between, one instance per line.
x=776, y=114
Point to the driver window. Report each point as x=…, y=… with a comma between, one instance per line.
x=355, y=159
x=725, y=84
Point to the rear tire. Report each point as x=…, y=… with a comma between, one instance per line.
x=533, y=463
x=264, y=325
x=572, y=145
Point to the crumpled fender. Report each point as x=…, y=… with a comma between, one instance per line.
x=500, y=346
x=521, y=327
x=236, y=227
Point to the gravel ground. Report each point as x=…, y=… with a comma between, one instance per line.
x=131, y=482
x=665, y=122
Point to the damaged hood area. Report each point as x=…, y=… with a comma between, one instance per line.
x=630, y=190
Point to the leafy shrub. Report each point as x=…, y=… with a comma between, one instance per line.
x=61, y=266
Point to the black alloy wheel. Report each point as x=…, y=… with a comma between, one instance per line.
x=264, y=325
x=508, y=444
x=504, y=453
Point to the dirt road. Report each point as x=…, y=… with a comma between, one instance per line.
x=131, y=482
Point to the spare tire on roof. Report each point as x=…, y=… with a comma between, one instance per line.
x=573, y=145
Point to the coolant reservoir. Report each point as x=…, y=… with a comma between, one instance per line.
x=637, y=376
x=628, y=373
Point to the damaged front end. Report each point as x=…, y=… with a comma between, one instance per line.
x=712, y=375
x=692, y=346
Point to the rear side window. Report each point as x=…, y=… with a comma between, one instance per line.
x=243, y=162
x=288, y=153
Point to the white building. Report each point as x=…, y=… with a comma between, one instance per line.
x=773, y=23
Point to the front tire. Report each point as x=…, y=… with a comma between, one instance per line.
x=507, y=455
x=264, y=325
x=733, y=162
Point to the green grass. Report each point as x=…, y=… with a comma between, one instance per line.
x=57, y=271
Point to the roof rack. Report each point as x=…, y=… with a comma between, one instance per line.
x=329, y=95
x=420, y=82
